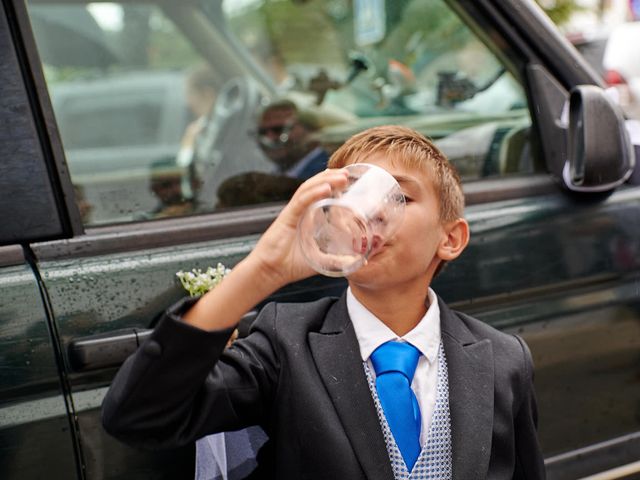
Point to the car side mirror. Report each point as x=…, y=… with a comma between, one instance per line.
x=600, y=153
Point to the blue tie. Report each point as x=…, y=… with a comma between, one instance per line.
x=395, y=363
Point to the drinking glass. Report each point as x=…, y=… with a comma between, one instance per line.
x=338, y=234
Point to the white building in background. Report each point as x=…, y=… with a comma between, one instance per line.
x=592, y=20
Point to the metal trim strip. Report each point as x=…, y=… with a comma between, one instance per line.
x=242, y=222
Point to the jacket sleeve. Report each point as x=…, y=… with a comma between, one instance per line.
x=181, y=384
x=529, y=459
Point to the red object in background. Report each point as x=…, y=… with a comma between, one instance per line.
x=613, y=77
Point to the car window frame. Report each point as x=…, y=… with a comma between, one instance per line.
x=11, y=255
x=248, y=221
x=60, y=219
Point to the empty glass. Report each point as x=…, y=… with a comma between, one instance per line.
x=338, y=234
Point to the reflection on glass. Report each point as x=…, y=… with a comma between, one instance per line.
x=241, y=101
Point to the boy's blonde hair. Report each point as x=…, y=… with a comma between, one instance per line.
x=413, y=150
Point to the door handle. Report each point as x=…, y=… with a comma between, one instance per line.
x=111, y=349
x=106, y=349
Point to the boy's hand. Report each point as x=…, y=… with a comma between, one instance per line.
x=277, y=255
x=274, y=262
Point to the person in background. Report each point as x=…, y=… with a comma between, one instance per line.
x=201, y=88
x=285, y=135
x=201, y=97
x=84, y=207
x=167, y=184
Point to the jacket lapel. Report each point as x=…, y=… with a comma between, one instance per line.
x=471, y=390
x=337, y=356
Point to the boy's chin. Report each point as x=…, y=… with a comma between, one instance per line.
x=369, y=274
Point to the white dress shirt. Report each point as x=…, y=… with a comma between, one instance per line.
x=371, y=333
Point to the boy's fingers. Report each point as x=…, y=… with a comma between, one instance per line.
x=308, y=196
x=333, y=176
x=336, y=178
x=316, y=188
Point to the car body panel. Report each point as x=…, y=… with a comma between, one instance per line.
x=537, y=267
x=35, y=437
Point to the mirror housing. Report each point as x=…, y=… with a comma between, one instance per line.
x=600, y=154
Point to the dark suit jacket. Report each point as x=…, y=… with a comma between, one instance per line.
x=316, y=164
x=299, y=375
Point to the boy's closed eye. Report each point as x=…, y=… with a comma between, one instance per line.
x=407, y=198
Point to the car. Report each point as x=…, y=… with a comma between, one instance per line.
x=613, y=54
x=114, y=129
x=93, y=232
x=621, y=62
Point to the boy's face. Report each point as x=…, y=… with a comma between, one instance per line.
x=411, y=256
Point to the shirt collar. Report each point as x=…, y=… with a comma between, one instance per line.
x=371, y=332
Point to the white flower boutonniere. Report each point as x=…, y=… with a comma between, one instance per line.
x=197, y=282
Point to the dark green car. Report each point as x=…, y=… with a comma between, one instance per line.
x=141, y=138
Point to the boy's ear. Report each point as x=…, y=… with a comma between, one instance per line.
x=455, y=240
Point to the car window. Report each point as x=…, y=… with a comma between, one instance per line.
x=170, y=110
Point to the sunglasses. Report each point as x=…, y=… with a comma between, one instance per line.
x=275, y=129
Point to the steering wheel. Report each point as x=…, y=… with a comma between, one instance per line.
x=226, y=145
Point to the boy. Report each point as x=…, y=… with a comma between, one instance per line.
x=315, y=375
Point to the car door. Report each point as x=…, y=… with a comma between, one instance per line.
x=487, y=82
x=36, y=433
